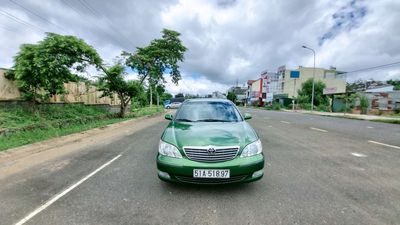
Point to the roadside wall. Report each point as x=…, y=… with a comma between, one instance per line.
x=76, y=92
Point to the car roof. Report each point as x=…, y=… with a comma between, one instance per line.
x=207, y=100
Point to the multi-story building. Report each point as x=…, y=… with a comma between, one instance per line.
x=286, y=83
x=334, y=80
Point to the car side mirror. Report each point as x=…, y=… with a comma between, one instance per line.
x=168, y=116
x=247, y=116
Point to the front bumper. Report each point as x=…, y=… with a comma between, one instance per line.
x=242, y=170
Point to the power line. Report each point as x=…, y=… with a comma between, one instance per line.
x=373, y=68
x=36, y=14
x=97, y=13
x=18, y=20
x=100, y=28
x=7, y=29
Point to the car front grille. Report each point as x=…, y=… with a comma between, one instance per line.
x=210, y=180
x=211, y=154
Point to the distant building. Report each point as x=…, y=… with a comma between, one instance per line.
x=382, y=88
x=334, y=80
x=217, y=94
x=240, y=93
x=286, y=83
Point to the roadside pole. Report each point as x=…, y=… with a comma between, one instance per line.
x=294, y=89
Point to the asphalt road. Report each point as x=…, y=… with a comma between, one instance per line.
x=319, y=170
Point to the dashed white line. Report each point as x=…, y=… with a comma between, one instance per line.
x=58, y=196
x=369, y=127
x=282, y=121
x=317, y=129
x=358, y=155
x=383, y=144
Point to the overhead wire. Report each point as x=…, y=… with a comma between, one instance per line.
x=69, y=4
x=36, y=14
x=21, y=21
x=373, y=68
x=99, y=14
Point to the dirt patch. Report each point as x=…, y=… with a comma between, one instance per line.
x=18, y=159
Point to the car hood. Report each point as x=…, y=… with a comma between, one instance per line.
x=183, y=134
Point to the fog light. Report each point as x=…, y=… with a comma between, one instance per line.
x=258, y=173
x=164, y=174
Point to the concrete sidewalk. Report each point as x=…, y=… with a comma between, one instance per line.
x=346, y=115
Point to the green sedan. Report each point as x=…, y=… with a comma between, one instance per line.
x=209, y=142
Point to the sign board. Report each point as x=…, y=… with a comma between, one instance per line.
x=269, y=97
x=294, y=74
x=329, y=90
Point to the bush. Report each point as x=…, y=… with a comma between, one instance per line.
x=364, y=104
x=323, y=108
x=276, y=106
x=306, y=106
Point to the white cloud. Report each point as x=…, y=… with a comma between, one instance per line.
x=228, y=40
x=200, y=85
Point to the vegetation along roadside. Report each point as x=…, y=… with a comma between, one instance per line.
x=21, y=125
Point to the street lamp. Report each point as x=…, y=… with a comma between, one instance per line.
x=312, y=94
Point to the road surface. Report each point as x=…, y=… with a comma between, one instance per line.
x=319, y=170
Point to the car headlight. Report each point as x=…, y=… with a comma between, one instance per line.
x=168, y=150
x=251, y=149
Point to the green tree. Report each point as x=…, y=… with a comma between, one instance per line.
x=179, y=95
x=113, y=82
x=160, y=56
x=395, y=83
x=364, y=104
x=41, y=69
x=305, y=93
x=166, y=96
x=231, y=96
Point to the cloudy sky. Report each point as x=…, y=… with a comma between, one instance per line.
x=228, y=40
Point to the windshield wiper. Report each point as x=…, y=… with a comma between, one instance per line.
x=212, y=120
x=184, y=120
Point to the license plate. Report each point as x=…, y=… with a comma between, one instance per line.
x=200, y=173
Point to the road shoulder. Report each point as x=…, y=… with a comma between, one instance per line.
x=24, y=157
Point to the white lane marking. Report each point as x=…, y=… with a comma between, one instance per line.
x=358, y=154
x=269, y=125
x=387, y=145
x=317, y=129
x=58, y=196
x=282, y=121
x=369, y=127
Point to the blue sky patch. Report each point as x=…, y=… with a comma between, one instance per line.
x=345, y=19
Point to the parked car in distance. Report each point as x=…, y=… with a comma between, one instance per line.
x=173, y=105
x=209, y=142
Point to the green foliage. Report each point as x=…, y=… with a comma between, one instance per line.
x=21, y=116
x=50, y=121
x=41, y=69
x=306, y=106
x=364, y=104
x=179, y=95
x=305, y=93
x=159, y=56
x=113, y=82
x=231, y=96
x=273, y=106
x=395, y=83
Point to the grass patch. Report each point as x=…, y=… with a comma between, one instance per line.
x=53, y=117
x=387, y=121
x=22, y=116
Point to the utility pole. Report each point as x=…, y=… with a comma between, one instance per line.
x=151, y=95
x=313, y=79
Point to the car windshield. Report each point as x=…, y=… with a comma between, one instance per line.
x=208, y=111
